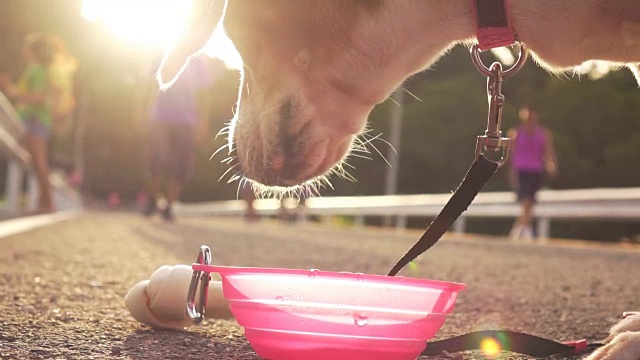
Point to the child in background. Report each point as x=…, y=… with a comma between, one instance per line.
x=42, y=95
x=61, y=75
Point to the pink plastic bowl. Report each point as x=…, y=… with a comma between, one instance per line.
x=320, y=315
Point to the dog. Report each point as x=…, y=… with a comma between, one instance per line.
x=314, y=70
x=623, y=342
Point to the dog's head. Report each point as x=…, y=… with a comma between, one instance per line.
x=300, y=104
x=313, y=71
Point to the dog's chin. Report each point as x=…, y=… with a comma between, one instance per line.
x=279, y=167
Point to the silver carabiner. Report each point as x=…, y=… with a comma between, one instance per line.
x=492, y=139
x=197, y=313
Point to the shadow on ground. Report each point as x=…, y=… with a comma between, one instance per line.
x=148, y=343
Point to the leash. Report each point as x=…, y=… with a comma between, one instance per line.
x=513, y=341
x=493, y=30
x=492, y=151
x=480, y=172
x=488, y=146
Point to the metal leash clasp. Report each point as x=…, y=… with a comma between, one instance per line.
x=196, y=313
x=492, y=141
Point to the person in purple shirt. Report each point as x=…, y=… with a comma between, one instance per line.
x=176, y=122
x=532, y=158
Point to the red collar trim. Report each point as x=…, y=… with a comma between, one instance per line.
x=493, y=25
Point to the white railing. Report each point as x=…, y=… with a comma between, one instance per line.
x=11, y=130
x=605, y=204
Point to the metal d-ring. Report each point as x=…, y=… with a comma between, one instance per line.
x=486, y=71
x=196, y=313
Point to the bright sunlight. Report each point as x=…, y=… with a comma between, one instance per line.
x=490, y=347
x=154, y=23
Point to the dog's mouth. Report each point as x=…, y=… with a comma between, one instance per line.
x=292, y=167
x=299, y=149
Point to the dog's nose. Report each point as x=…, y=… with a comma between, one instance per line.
x=288, y=149
x=283, y=170
x=284, y=165
x=278, y=163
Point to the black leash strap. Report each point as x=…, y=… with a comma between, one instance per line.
x=509, y=341
x=480, y=172
x=482, y=168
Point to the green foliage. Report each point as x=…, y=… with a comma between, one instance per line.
x=595, y=124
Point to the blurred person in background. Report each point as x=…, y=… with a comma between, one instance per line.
x=62, y=74
x=176, y=121
x=43, y=96
x=289, y=214
x=250, y=214
x=532, y=161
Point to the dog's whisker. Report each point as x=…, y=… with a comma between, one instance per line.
x=224, y=131
x=361, y=156
x=359, y=146
x=294, y=193
x=347, y=164
x=371, y=138
x=227, y=171
x=344, y=174
x=348, y=176
x=241, y=184
x=411, y=94
x=307, y=191
x=225, y=146
x=329, y=184
x=228, y=160
x=326, y=180
x=361, y=151
x=378, y=137
x=314, y=189
x=381, y=155
x=234, y=178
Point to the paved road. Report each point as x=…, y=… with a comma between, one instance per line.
x=61, y=286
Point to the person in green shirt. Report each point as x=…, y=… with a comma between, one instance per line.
x=41, y=96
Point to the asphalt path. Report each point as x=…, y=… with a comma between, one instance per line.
x=62, y=285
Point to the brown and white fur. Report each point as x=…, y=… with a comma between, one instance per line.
x=314, y=70
x=623, y=342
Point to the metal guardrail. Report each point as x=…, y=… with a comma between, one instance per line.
x=11, y=130
x=603, y=204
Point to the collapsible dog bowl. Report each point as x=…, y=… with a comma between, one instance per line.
x=320, y=315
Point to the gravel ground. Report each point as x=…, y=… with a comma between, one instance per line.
x=61, y=287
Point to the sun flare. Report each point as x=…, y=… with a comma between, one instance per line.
x=490, y=347
x=221, y=47
x=154, y=24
